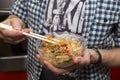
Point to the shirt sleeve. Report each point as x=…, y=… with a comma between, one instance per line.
x=19, y=9
x=117, y=35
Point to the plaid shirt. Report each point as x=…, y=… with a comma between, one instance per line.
x=101, y=27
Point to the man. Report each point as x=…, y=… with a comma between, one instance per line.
x=97, y=21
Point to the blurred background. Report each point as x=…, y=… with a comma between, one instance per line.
x=12, y=57
x=7, y=49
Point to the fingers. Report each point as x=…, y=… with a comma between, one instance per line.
x=83, y=60
x=54, y=69
x=11, y=33
x=40, y=59
x=17, y=24
x=49, y=66
x=16, y=35
x=13, y=36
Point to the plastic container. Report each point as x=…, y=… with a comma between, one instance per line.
x=61, y=55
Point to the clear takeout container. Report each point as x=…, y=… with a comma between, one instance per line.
x=61, y=55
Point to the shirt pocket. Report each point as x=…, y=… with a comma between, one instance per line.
x=107, y=12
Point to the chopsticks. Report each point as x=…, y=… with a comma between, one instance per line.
x=39, y=37
x=31, y=34
x=4, y=26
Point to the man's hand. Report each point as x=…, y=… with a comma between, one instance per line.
x=79, y=61
x=13, y=36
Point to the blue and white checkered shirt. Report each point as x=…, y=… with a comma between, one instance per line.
x=101, y=28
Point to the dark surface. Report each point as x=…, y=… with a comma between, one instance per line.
x=6, y=4
x=13, y=63
x=48, y=75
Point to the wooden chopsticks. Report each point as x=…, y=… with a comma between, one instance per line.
x=37, y=36
x=4, y=26
x=31, y=34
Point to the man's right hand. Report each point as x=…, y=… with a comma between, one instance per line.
x=14, y=36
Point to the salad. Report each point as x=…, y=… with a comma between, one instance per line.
x=62, y=54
